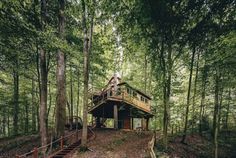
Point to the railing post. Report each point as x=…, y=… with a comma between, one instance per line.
x=35, y=152
x=62, y=142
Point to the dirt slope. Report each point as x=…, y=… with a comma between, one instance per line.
x=117, y=144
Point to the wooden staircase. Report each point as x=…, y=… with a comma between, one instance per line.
x=65, y=151
x=62, y=153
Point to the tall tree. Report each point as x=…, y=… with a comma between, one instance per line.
x=44, y=79
x=16, y=93
x=216, y=112
x=61, y=82
x=188, y=97
x=86, y=75
x=87, y=50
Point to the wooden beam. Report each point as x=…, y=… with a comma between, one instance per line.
x=115, y=117
x=147, y=121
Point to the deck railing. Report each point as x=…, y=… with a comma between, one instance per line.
x=118, y=95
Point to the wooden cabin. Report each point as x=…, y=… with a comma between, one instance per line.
x=126, y=105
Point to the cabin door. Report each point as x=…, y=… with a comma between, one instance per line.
x=127, y=123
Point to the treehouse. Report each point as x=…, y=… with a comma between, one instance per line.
x=128, y=107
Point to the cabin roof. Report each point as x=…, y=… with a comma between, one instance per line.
x=125, y=83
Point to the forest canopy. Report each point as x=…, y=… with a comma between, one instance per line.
x=180, y=52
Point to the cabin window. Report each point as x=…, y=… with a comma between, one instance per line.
x=142, y=98
x=129, y=91
x=146, y=100
x=135, y=94
x=118, y=91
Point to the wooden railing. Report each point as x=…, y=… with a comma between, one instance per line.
x=119, y=95
x=52, y=147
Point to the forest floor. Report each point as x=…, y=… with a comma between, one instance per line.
x=110, y=143
x=117, y=144
x=9, y=147
x=198, y=146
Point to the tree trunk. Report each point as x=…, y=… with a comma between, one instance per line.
x=145, y=73
x=71, y=97
x=194, y=92
x=26, y=117
x=33, y=117
x=4, y=121
x=61, y=84
x=43, y=85
x=204, y=81
x=188, y=98
x=78, y=97
x=220, y=104
x=8, y=123
x=50, y=104
x=166, y=91
x=43, y=98
x=86, y=49
x=216, y=113
x=227, y=110
x=16, y=95
x=86, y=76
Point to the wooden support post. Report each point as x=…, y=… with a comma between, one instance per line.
x=115, y=117
x=62, y=139
x=35, y=153
x=147, y=121
x=98, y=122
x=132, y=123
x=142, y=124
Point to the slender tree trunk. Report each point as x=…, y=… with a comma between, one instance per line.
x=61, y=84
x=216, y=113
x=8, y=123
x=78, y=97
x=86, y=76
x=204, y=81
x=194, y=92
x=227, y=110
x=50, y=103
x=166, y=91
x=188, y=98
x=71, y=97
x=4, y=121
x=39, y=89
x=43, y=98
x=145, y=73
x=26, y=117
x=220, y=104
x=33, y=117
x=16, y=95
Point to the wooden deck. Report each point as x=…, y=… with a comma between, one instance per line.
x=119, y=96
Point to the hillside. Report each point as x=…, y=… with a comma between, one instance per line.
x=117, y=144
